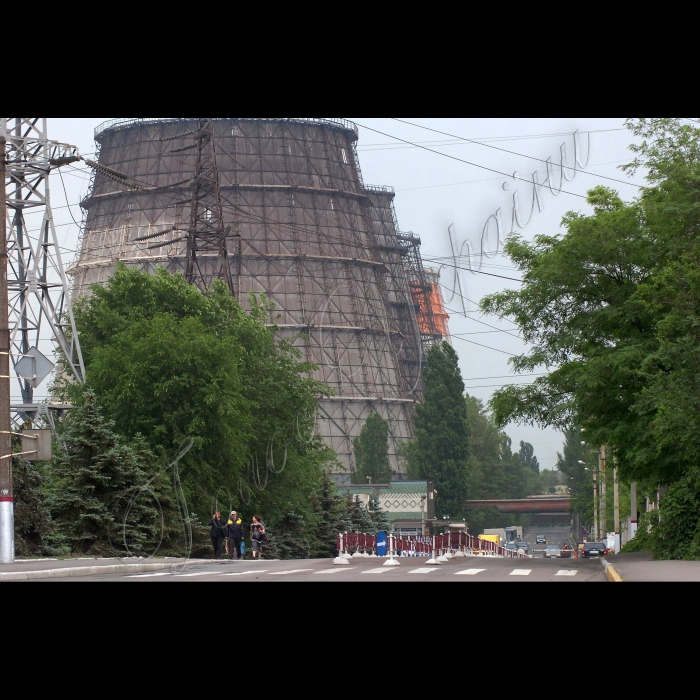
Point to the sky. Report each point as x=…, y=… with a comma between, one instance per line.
x=455, y=184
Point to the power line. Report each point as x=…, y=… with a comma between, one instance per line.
x=369, y=147
x=492, y=179
x=503, y=352
x=477, y=272
x=505, y=150
x=461, y=160
x=508, y=376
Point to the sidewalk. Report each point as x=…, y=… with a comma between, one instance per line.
x=38, y=569
x=639, y=568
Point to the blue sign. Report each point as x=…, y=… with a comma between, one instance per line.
x=382, y=544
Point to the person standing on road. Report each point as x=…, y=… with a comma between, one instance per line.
x=218, y=532
x=236, y=534
x=258, y=536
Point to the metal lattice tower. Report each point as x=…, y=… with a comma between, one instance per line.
x=299, y=225
x=39, y=295
x=208, y=232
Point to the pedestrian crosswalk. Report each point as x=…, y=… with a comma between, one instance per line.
x=471, y=572
x=425, y=571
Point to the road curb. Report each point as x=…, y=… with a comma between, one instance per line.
x=82, y=571
x=611, y=572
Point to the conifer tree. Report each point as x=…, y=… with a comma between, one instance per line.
x=292, y=538
x=380, y=519
x=371, y=449
x=32, y=518
x=441, y=451
x=330, y=512
x=97, y=477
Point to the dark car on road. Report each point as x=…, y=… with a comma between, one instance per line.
x=594, y=549
x=524, y=546
x=541, y=539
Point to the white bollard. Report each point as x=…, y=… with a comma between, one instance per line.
x=434, y=561
x=341, y=560
x=391, y=561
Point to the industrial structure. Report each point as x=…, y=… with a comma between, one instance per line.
x=39, y=304
x=284, y=211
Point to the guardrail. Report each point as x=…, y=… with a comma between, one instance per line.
x=443, y=546
x=130, y=121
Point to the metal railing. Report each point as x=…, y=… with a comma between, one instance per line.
x=122, y=123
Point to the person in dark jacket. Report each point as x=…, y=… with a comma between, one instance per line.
x=218, y=532
x=236, y=534
x=258, y=535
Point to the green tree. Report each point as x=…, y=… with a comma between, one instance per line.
x=441, y=451
x=96, y=478
x=371, y=449
x=358, y=517
x=331, y=517
x=527, y=457
x=578, y=479
x=613, y=305
x=173, y=365
x=292, y=538
x=379, y=517
x=33, y=526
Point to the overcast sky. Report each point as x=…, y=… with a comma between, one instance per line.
x=435, y=192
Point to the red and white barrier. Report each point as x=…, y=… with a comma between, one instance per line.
x=440, y=548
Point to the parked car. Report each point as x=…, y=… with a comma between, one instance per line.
x=524, y=546
x=541, y=539
x=594, y=549
x=552, y=552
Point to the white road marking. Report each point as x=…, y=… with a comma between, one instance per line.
x=522, y=572
x=246, y=573
x=332, y=571
x=422, y=571
x=164, y=573
x=567, y=573
x=470, y=572
x=289, y=573
x=374, y=572
x=201, y=573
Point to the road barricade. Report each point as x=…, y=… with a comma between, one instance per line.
x=444, y=546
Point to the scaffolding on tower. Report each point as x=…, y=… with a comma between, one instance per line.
x=300, y=226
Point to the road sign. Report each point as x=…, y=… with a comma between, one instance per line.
x=37, y=445
x=34, y=367
x=382, y=544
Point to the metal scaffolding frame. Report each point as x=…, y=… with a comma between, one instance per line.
x=39, y=295
x=302, y=227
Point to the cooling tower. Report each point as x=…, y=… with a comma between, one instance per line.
x=305, y=230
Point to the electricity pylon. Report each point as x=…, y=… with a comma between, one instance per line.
x=39, y=294
x=207, y=252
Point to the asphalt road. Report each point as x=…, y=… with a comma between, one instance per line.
x=558, y=536
x=463, y=570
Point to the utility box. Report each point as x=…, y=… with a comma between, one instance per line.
x=37, y=445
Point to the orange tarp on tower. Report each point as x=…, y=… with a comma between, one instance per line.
x=433, y=297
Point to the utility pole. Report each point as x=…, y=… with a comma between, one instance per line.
x=617, y=507
x=635, y=511
x=596, y=519
x=7, y=508
x=603, y=496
